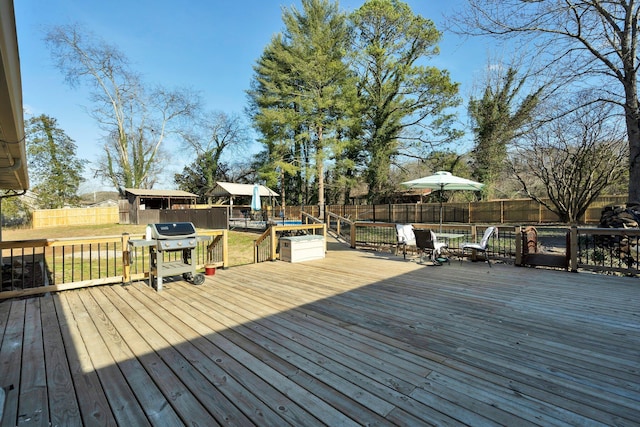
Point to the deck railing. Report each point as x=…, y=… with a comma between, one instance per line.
x=45, y=265
x=611, y=250
x=339, y=225
x=383, y=235
x=266, y=246
x=608, y=250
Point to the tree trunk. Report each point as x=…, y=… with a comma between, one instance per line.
x=633, y=133
x=320, y=172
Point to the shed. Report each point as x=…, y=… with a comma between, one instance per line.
x=231, y=190
x=142, y=206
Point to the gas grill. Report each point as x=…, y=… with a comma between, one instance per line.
x=172, y=249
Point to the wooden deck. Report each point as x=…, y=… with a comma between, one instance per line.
x=357, y=338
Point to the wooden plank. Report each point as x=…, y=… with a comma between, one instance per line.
x=153, y=403
x=346, y=354
x=319, y=371
x=328, y=344
x=181, y=399
x=11, y=361
x=33, y=408
x=251, y=375
x=224, y=410
x=63, y=405
x=238, y=336
x=424, y=412
x=92, y=401
x=353, y=372
x=223, y=353
x=5, y=309
x=61, y=287
x=395, y=311
x=122, y=400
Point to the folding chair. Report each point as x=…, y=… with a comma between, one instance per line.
x=482, y=246
x=406, y=237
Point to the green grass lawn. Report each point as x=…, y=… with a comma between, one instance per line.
x=240, y=243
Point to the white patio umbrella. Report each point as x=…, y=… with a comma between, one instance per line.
x=441, y=181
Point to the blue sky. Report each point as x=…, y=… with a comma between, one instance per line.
x=207, y=45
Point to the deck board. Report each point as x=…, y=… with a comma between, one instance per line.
x=92, y=401
x=63, y=406
x=356, y=338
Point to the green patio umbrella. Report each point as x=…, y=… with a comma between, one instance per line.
x=441, y=181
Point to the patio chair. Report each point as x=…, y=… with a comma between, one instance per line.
x=482, y=246
x=427, y=243
x=406, y=237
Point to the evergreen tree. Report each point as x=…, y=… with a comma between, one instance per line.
x=53, y=166
x=497, y=122
x=401, y=99
x=200, y=177
x=301, y=90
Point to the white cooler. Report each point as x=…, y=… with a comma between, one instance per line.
x=301, y=248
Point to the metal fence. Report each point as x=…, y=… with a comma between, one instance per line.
x=605, y=250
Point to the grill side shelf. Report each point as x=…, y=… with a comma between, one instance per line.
x=141, y=243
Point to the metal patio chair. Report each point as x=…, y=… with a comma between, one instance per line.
x=427, y=243
x=482, y=246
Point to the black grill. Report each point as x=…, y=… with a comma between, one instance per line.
x=173, y=236
x=172, y=249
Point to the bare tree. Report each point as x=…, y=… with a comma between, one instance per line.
x=214, y=134
x=572, y=160
x=591, y=43
x=136, y=117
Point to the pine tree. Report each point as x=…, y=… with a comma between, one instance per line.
x=401, y=99
x=301, y=90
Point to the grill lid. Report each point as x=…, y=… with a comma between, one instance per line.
x=172, y=230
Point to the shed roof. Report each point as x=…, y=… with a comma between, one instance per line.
x=160, y=193
x=225, y=189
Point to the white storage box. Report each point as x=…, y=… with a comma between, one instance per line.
x=301, y=248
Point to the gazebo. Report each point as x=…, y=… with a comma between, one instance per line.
x=231, y=190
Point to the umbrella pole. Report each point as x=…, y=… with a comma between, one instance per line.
x=441, y=189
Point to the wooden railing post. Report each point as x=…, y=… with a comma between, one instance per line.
x=518, y=235
x=324, y=236
x=474, y=238
x=573, y=247
x=126, y=259
x=255, y=251
x=274, y=243
x=225, y=248
x=353, y=234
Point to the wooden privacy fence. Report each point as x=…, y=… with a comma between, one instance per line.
x=518, y=211
x=43, y=218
